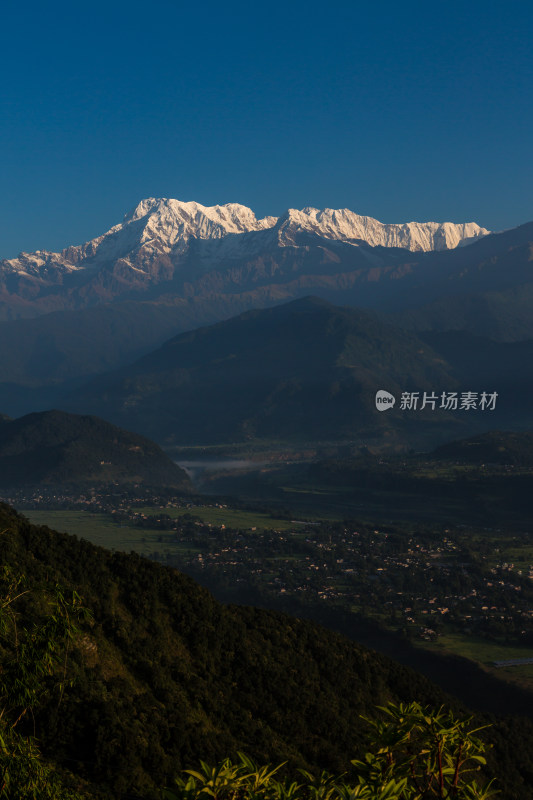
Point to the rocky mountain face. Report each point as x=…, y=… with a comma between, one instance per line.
x=166, y=248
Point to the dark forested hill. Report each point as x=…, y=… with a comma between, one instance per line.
x=164, y=675
x=52, y=447
x=309, y=371
x=483, y=480
x=493, y=448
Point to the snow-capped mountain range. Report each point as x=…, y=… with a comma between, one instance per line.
x=158, y=227
x=171, y=267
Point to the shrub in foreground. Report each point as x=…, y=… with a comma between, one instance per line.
x=414, y=754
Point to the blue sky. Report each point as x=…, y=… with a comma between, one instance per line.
x=400, y=111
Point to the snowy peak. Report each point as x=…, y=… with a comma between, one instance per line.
x=155, y=237
x=345, y=225
x=165, y=225
x=171, y=221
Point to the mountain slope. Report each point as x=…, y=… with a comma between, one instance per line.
x=485, y=288
x=171, y=267
x=156, y=242
x=60, y=449
x=505, y=314
x=309, y=371
x=303, y=371
x=165, y=676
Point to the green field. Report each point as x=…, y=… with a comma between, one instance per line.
x=231, y=518
x=485, y=653
x=100, y=531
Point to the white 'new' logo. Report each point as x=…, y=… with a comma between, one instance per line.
x=384, y=400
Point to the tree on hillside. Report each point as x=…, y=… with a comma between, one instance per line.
x=33, y=669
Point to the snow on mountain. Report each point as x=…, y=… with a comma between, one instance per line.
x=152, y=237
x=172, y=220
x=345, y=225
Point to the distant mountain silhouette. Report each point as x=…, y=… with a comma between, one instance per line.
x=305, y=371
x=55, y=448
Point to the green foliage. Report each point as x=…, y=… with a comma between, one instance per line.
x=34, y=654
x=416, y=754
x=432, y=752
x=165, y=675
x=23, y=773
x=33, y=669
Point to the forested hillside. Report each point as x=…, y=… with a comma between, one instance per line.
x=56, y=448
x=163, y=676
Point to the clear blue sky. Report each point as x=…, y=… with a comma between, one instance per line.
x=401, y=111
